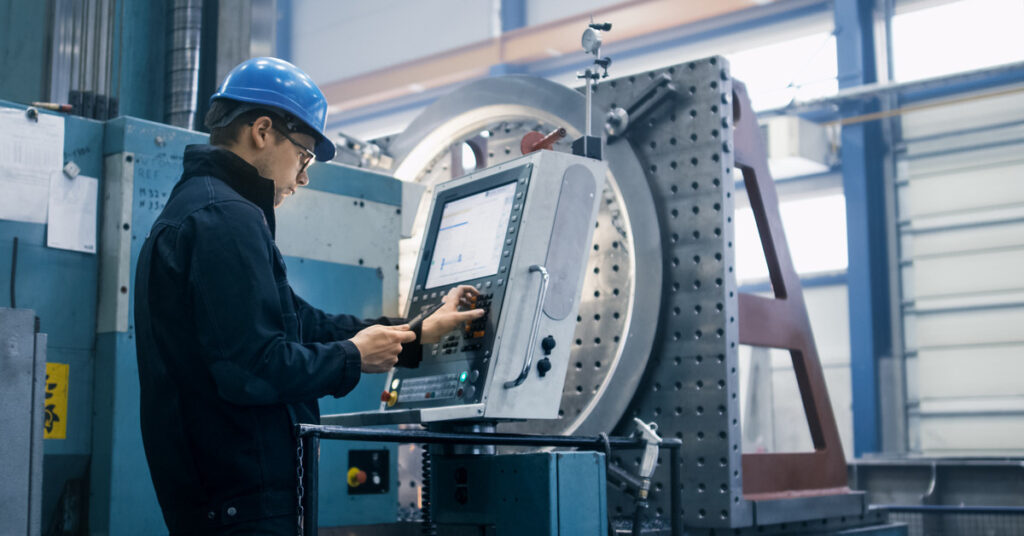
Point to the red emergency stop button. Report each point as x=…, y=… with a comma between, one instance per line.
x=356, y=477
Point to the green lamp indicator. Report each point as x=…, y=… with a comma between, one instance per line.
x=462, y=377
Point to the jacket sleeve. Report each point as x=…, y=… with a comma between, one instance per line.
x=241, y=320
x=318, y=326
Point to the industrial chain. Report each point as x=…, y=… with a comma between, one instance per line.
x=300, y=491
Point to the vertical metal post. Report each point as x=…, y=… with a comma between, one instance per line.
x=311, y=461
x=863, y=156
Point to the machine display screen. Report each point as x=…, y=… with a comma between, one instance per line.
x=470, y=237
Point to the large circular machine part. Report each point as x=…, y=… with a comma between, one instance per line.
x=481, y=124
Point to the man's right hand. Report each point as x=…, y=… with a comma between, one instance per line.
x=379, y=346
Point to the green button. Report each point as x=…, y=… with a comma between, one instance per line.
x=462, y=377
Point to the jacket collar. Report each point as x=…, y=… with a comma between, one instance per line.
x=241, y=176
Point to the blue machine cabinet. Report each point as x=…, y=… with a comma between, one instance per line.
x=339, y=237
x=541, y=494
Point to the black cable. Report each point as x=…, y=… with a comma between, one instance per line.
x=14, y=271
x=428, y=528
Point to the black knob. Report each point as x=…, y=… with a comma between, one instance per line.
x=543, y=366
x=547, y=344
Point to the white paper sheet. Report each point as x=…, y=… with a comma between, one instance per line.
x=30, y=152
x=72, y=213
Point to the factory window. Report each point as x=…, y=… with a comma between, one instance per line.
x=815, y=230
x=956, y=36
x=796, y=69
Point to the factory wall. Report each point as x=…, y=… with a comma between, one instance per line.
x=961, y=227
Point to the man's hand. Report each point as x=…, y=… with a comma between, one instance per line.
x=448, y=317
x=380, y=345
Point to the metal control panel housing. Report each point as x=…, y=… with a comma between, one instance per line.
x=520, y=233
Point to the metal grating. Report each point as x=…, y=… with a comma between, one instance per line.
x=959, y=524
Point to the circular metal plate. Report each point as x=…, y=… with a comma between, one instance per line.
x=621, y=293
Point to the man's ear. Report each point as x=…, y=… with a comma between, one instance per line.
x=259, y=132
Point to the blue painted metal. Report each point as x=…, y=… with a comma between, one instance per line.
x=25, y=61
x=141, y=57
x=356, y=182
x=61, y=287
x=540, y=494
x=1004, y=78
x=513, y=14
x=283, y=30
x=354, y=290
x=863, y=157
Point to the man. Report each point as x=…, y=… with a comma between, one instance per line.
x=229, y=357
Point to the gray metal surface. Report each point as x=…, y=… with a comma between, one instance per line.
x=115, y=243
x=22, y=373
x=569, y=238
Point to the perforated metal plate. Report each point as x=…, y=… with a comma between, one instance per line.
x=691, y=386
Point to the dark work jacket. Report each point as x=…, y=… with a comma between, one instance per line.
x=229, y=357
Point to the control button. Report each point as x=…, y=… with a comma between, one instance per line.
x=470, y=391
x=355, y=477
x=547, y=344
x=505, y=253
x=517, y=206
x=474, y=375
x=487, y=284
x=514, y=217
x=502, y=270
x=385, y=396
x=543, y=366
x=419, y=287
x=519, y=195
x=501, y=281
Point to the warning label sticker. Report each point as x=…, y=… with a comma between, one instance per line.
x=55, y=403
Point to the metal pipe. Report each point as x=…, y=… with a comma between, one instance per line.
x=948, y=509
x=884, y=88
x=182, y=84
x=311, y=499
x=521, y=440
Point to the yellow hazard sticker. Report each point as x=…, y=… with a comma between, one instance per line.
x=55, y=402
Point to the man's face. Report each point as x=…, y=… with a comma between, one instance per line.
x=286, y=161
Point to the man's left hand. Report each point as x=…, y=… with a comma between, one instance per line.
x=448, y=317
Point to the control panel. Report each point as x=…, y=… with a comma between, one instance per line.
x=519, y=232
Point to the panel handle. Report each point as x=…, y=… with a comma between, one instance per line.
x=534, y=328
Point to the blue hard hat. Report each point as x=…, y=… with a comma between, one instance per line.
x=275, y=83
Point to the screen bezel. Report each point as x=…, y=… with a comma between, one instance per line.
x=497, y=180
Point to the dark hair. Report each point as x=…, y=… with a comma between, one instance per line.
x=228, y=134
